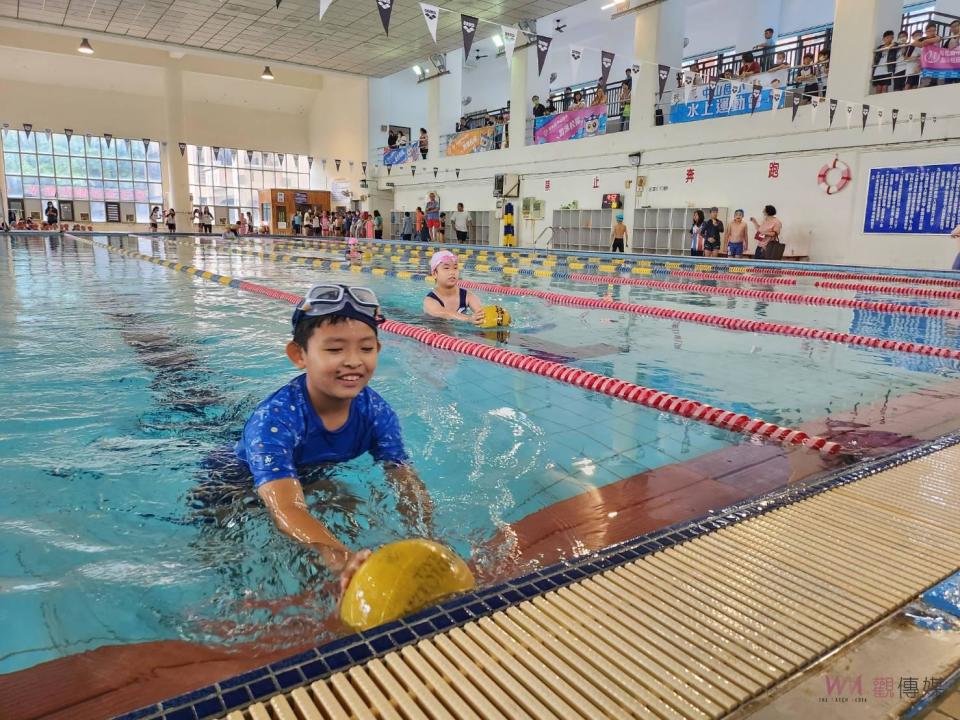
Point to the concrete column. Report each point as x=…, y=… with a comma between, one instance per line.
x=657, y=39
x=519, y=101
x=433, y=119
x=857, y=29
x=178, y=181
x=4, y=205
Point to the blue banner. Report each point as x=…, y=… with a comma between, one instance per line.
x=921, y=199
x=724, y=104
x=400, y=155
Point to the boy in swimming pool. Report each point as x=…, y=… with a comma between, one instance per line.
x=328, y=414
x=447, y=300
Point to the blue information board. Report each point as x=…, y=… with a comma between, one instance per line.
x=921, y=199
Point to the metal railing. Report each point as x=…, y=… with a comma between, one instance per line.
x=481, y=118
x=563, y=99
x=794, y=48
x=899, y=64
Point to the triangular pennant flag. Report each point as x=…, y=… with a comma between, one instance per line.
x=776, y=95
x=323, y=162
x=543, y=47
x=87, y=136
x=457, y=171
x=324, y=6
x=280, y=158
x=849, y=115
x=413, y=170
x=814, y=107
x=337, y=163
x=833, y=109
x=893, y=118
x=146, y=144
x=278, y=4
x=923, y=122
x=28, y=128
x=350, y=163
x=68, y=132
x=389, y=168
x=879, y=118
x=385, y=7
x=363, y=166
x=797, y=97
x=250, y=157
x=865, y=112
x=309, y=162
x=216, y=153
x=636, y=70
x=109, y=138
x=509, y=41
x=576, y=55
x=183, y=148
x=711, y=92
x=431, y=13
x=755, y=96
x=663, y=72
x=296, y=160
x=687, y=80
x=468, y=27
x=435, y=171
x=49, y=133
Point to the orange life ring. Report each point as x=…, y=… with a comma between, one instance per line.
x=845, y=176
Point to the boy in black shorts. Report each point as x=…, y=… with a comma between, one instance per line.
x=712, y=232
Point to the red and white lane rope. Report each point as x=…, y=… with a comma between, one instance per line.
x=727, y=323
x=863, y=277
x=630, y=392
x=770, y=295
x=890, y=289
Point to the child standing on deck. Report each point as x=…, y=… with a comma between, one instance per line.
x=329, y=415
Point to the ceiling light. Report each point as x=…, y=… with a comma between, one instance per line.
x=613, y=4
x=266, y=74
x=497, y=41
x=418, y=70
x=85, y=47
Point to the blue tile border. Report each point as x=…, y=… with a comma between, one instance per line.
x=341, y=653
x=924, y=703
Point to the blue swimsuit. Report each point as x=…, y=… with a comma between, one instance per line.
x=463, y=300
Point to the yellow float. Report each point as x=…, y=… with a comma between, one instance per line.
x=494, y=316
x=402, y=578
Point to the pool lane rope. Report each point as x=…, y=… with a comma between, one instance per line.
x=863, y=277
x=703, y=318
x=890, y=289
x=613, y=387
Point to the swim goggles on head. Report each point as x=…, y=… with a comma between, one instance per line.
x=357, y=302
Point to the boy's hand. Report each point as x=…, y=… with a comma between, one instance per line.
x=477, y=319
x=353, y=563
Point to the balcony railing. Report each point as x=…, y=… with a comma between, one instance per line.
x=904, y=67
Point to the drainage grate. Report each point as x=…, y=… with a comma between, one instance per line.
x=690, y=632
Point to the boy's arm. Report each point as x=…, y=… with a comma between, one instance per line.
x=288, y=510
x=414, y=501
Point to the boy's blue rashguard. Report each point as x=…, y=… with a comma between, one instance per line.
x=284, y=433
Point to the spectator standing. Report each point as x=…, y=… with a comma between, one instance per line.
x=197, y=223
x=423, y=143
x=618, y=235
x=626, y=96
x=317, y=224
x=206, y=220
x=952, y=42
x=931, y=36
x=347, y=222
x=419, y=222
x=406, y=228
x=442, y=230
x=767, y=231
x=171, y=218
x=578, y=103
x=766, y=48
x=736, y=236
x=712, y=234
x=807, y=79
x=907, y=74
x=462, y=124
x=250, y=224
x=307, y=223
x=53, y=215
x=600, y=98
x=538, y=108
x=884, y=63
x=780, y=62
x=377, y=225
x=392, y=139
x=567, y=98
x=154, y=218
x=433, y=216
x=696, y=234
x=749, y=66
x=460, y=221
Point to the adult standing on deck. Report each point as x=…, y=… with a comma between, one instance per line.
x=433, y=215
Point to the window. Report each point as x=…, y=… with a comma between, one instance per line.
x=79, y=168
x=232, y=178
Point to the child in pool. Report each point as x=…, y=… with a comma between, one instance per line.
x=328, y=414
x=447, y=300
x=353, y=249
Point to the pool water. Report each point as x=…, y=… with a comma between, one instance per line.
x=122, y=377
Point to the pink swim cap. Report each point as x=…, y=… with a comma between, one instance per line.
x=440, y=257
x=352, y=241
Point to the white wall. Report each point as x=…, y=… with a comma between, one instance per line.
x=396, y=100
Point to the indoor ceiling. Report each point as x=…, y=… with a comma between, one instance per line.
x=350, y=38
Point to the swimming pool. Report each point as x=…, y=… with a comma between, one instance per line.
x=123, y=377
